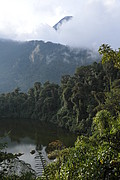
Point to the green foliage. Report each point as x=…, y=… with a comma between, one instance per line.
x=83, y=95
x=103, y=121
x=55, y=145
x=91, y=158
x=110, y=55
x=41, y=102
x=71, y=105
x=96, y=156
x=87, y=103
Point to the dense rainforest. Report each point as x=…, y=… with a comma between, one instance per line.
x=87, y=103
x=72, y=104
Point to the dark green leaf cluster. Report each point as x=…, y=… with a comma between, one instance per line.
x=41, y=102
x=83, y=95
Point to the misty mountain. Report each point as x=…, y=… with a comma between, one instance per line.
x=23, y=63
x=62, y=21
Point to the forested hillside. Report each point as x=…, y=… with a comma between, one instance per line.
x=96, y=156
x=23, y=63
x=72, y=104
x=87, y=103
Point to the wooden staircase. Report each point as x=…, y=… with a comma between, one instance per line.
x=40, y=164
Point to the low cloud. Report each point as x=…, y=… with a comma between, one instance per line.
x=94, y=22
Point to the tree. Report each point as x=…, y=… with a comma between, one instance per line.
x=110, y=55
x=103, y=121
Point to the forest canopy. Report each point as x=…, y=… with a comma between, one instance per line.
x=74, y=102
x=87, y=103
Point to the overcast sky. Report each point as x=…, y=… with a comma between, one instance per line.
x=95, y=21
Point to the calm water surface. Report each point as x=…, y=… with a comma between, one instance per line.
x=22, y=136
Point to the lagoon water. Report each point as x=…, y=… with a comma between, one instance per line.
x=23, y=136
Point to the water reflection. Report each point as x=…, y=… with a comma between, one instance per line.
x=40, y=133
x=24, y=135
x=25, y=149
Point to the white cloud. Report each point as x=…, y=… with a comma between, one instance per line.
x=95, y=21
